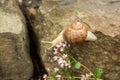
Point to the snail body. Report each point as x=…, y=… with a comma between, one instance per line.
x=74, y=33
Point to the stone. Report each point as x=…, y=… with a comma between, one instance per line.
x=15, y=60
x=99, y=15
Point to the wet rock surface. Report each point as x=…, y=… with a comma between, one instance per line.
x=15, y=62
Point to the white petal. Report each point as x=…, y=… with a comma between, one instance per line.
x=58, y=75
x=58, y=46
x=61, y=49
x=55, y=58
x=60, y=61
x=87, y=75
x=62, y=65
x=56, y=69
x=45, y=75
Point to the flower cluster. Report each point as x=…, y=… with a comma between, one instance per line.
x=59, y=57
x=86, y=76
x=45, y=77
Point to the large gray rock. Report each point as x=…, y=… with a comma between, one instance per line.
x=100, y=15
x=15, y=62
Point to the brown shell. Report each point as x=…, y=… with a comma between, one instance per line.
x=75, y=33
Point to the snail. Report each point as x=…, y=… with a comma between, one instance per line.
x=75, y=33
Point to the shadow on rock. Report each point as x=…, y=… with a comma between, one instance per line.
x=103, y=53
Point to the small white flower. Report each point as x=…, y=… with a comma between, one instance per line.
x=69, y=66
x=45, y=76
x=87, y=75
x=61, y=44
x=64, y=45
x=83, y=77
x=58, y=46
x=61, y=49
x=48, y=69
x=55, y=49
x=55, y=52
x=55, y=58
x=62, y=65
x=56, y=69
x=90, y=74
x=65, y=56
x=58, y=77
x=60, y=60
x=66, y=64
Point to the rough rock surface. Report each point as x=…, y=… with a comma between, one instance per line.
x=103, y=18
x=15, y=62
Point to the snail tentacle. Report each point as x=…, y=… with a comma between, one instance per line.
x=90, y=36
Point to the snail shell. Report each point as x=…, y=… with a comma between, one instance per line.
x=75, y=33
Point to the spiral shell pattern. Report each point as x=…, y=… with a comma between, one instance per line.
x=75, y=33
